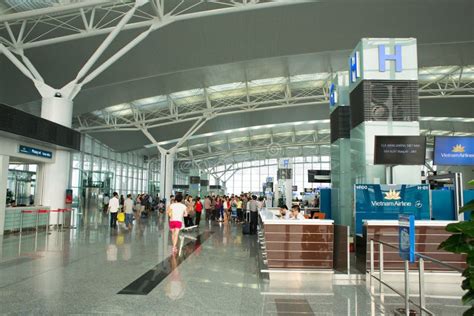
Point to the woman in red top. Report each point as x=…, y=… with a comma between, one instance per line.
x=198, y=208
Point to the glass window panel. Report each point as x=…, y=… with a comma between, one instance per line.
x=96, y=166
x=76, y=160
x=87, y=162
x=88, y=144
x=75, y=178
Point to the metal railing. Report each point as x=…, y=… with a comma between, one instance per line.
x=421, y=276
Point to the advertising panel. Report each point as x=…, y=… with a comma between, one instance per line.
x=388, y=201
x=454, y=150
x=406, y=237
x=400, y=150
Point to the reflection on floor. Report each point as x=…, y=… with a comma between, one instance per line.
x=81, y=271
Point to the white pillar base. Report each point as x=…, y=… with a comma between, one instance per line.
x=4, y=161
x=55, y=176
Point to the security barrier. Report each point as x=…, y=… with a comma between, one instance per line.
x=421, y=276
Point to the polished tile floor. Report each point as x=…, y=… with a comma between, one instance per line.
x=95, y=270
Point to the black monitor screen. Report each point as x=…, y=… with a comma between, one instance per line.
x=400, y=150
x=319, y=176
x=194, y=180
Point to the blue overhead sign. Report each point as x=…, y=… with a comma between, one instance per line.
x=406, y=237
x=386, y=201
x=454, y=150
x=35, y=152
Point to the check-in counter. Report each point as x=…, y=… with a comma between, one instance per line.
x=13, y=217
x=297, y=244
x=428, y=236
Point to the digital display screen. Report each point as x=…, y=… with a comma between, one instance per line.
x=194, y=180
x=204, y=183
x=319, y=176
x=400, y=150
x=454, y=150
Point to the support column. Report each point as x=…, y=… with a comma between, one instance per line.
x=194, y=187
x=55, y=176
x=166, y=174
x=204, y=188
x=4, y=161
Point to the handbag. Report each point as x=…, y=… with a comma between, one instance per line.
x=121, y=217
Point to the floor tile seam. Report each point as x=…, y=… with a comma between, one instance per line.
x=58, y=267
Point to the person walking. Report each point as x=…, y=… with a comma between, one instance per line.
x=176, y=213
x=113, y=209
x=207, y=207
x=240, y=215
x=128, y=209
x=253, y=209
x=188, y=220
x=213, y=208
x=105, y=204
x=198, y=208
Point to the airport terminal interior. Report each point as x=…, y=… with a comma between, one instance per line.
x=236, y=157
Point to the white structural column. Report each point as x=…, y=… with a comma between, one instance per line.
x=55, y=175
x=166, y=173
x=4, y=161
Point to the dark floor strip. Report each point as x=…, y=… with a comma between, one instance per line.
x=14, y=262
x=150, y=279
x=293, y=307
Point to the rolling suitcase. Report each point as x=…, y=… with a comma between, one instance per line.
x=246, y=224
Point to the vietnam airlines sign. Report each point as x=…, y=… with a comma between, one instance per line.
x=387, y=201
x=454, y=150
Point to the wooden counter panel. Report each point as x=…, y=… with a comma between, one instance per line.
x=299, y=255
x=294, y=246
x=427, y=240
x=297, y=246
x=300, y=264
x=298, y=237
x=294, y=228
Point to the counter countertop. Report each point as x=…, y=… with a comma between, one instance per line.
x=268, y=217
x=395, y=223
x=32, y=208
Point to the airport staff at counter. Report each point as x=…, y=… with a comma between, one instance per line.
x=294, y=242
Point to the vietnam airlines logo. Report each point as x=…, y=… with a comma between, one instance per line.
x=458, y=149
x=392, y=195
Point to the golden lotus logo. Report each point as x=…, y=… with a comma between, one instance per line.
x=392, y=195
x=458, y=149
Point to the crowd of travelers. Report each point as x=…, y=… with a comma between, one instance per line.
x=220, y=208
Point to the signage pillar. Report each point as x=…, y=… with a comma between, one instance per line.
x=4, y=162
x=383, y=93
x=406, y=237
x=285, y=181
x=341, y=179
x=55, y=175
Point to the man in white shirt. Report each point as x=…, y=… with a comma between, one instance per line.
x=284, y=213
x=113, y=209
x=295, y=213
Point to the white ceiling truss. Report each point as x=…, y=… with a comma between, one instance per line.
x=32, y=24
x=257, y=95
x=298, y=139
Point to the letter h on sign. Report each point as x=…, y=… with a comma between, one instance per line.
x=397, y=57
x=332, y=94
x=354, y=67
